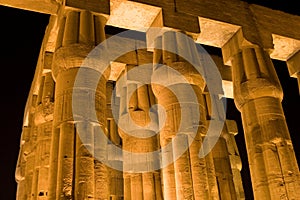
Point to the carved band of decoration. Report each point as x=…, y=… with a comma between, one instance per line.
x=45, y=101
x=258, y=95
x=254, y=76
x=73, y=56
x=65, y=91
x=79, y=33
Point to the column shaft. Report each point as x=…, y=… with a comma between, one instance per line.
x=84, y=175
x=234, y=156
x=258, y=96
x=135, y=109
x=78, y=174
x=53, y=169
x=66, y=160
x=193, y=177
x=198, y=168
x=184, y=185
x=223, y=170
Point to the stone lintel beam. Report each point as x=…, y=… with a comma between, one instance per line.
x=145, y=16
x=232, y=12
x=284, y=47
x=279, y=28
x=172, y=17
x=239, y=13
x=260, y=25
x=218, y=16
x=215, y=33
x=98, y=6
x=42, y=6
x=293, y=65
x=52, y=6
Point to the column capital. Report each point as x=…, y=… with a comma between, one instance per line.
x=253, y=73
x=235, y=45
x=79, y=32
x=67, y=57
x=186, y=52
x=254, y=89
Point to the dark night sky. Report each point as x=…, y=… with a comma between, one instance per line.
x=21, y=34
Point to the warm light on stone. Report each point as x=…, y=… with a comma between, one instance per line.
x=90, y=151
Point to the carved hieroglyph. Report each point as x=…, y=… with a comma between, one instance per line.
x=55, y=162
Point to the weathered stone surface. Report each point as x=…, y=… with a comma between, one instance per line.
x=258, y=95
x=56, y=162
x=143, y=139
x=43, y=6
x=293, y=64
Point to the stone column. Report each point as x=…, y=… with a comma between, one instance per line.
x=230, y=130
x=217, y=187
x=25, y=170
x=84, y=163
x=53, y=164
x=23, y=177
x=32, y=169
x=201, y=186
x=293, y=64
x=43, y=117
x=189, y=177
x=223, y=170
x=219, y=158
x=137, y=126
x=75, y=173
x=115, y=176
x=258, y=94
x=39, y=188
